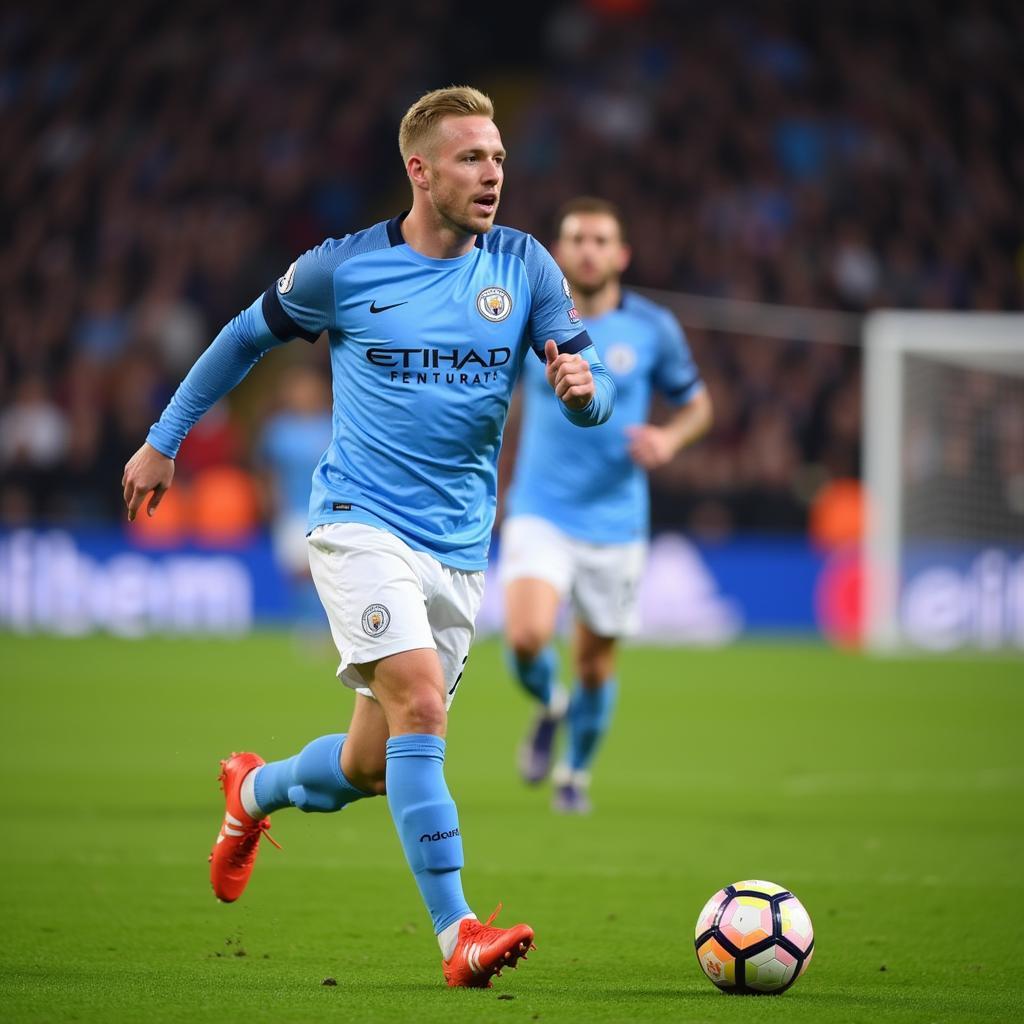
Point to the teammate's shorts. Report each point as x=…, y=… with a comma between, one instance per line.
x=291, y=552
x=601, y=580
x=382, y=598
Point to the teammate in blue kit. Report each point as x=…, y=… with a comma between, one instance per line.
x=292, y=441
x=577, y=511
x=429, y=317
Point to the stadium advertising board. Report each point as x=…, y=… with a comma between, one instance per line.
x=53, y=581
x=962, y=596
x=952, y=596
x=63, y=582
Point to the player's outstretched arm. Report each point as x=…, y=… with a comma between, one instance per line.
x=234, y=352
x=581, y=383
x=295, y=307
x=652, y=446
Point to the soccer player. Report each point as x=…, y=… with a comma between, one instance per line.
x=429, y=317
x=291, y=443
x=577, y=509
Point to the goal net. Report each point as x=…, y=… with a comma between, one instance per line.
x=944, y=468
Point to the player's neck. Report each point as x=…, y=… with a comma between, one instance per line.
x=600, y=302
x=431, y=237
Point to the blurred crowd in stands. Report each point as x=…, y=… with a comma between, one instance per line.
x=162, y=165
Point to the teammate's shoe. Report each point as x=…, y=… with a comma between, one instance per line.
x=570, y=799
x=234, y=852
x=537, y=752
x=571, y=791
x=483, y=952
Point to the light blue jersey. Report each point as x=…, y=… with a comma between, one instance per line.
x=290, y=447
x=425, y=354
x=585, y=482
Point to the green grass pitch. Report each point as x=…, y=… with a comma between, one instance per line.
x=887, y=794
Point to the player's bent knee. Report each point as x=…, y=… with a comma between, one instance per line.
x=594, y=669
x=593, y=675
x=426, y=723
x=438, y=841
x=369, y=780
x=421, y=712
x=526, y=642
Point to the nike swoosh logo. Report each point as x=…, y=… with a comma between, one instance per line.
x=374, y=308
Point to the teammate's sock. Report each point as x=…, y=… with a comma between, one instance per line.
x=312, y=780
x=537, y=675
x=590, y=714
x=428, y=824
x=559, y=703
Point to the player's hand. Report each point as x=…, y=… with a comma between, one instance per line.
x=649, y=446
x=570, y=377
x=146, y=471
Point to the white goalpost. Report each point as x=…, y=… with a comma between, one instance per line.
x=944, y=474
x=943, y=464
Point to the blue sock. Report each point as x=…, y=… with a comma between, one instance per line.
x=428, y=823
x=312, y=780
x=536, y=675
x=590, y=714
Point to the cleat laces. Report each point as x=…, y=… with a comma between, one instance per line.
x=244, y=852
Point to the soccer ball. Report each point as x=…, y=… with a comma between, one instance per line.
x=754, y=937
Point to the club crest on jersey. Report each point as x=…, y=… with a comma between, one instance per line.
x=284, y=284
x=566, y=288
x=376, y=620
x=494, y=304
x=620, y=358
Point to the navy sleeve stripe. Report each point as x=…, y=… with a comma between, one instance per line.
x=282, y=326
x=684, y=392
x=574, y=345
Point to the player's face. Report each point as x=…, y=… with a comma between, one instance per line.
x=590, y=251
x=303, y=392
x=465, y=170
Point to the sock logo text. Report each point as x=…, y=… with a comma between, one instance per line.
x=427, y=837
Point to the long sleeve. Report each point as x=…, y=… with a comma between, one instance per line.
x=231, y=355
x=601, y=405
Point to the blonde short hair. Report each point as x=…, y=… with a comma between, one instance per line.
x=426, y=113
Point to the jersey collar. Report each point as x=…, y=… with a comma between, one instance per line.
x=394, y=228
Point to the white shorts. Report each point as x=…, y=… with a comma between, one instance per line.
x=382, y=598
x=602, y=580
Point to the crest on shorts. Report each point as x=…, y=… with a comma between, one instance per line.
x=376, y=620
x=494, y=304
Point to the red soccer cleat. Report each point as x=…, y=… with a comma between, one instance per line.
x=234, y=853
x=483, y=951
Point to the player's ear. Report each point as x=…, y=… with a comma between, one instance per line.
x=416, y=168
x=625, y=255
